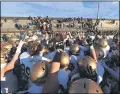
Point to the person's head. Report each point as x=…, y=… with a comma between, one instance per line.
x=35, y=48
x=116, y=38
x=86, y=65
x=103, y=43
x=57, y=37
x=39, y=72
x=27, y=40
x=68, y=43
x=84, y=86
x=14, y=41
x=32, y=47
x=7, y=47
x=30, y=33
x=74, y=49
x=38, y=41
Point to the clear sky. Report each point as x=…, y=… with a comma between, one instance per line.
x=61, y=9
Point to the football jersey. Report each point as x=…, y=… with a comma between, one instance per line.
x=9, y=83
x=35, y=89
x=106, y=51
x=73, y=59
x=73, y=72
x=83, y=48
x=66, y=50
x=63, y=77
x=2, y=75
x=27, y=62
x=81, y=54
x=51, y=55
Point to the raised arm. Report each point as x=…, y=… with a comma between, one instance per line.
x=92, y=50
x=112, y=72
x=93, y=53
x=11, y=64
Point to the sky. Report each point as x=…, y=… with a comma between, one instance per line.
x=61, y=9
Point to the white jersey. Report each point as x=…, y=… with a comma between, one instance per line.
x=66, y=50
x=51, y=55
x=63, y=77
x=92, y=37
x=100, y=72
x=28, y=61
x=111, y=36
x=25, y=60
x=73, y=59
x=106, y=51
x=34, y=37
x=35, y=89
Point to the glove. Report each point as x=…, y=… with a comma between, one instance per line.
x=91, y=74
x=57, y=57
x=89, y=41
x=71, y=67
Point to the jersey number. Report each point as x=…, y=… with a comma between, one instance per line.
x=25, y=70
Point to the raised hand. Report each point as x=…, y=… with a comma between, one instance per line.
x=91, y=74
x=21, y=43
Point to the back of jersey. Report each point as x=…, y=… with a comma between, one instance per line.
x=26, y=64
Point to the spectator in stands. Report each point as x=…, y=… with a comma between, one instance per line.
x=5, y=38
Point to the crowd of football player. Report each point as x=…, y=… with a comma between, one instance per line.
x=60, y=62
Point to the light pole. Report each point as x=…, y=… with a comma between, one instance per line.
x=98, y=11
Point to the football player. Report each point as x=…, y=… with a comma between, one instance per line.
x=30, y=34
x=103, y=43
x=28, y=59
x=38, y=75
x=7, y=76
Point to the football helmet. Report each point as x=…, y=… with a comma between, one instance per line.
x=38, y=72
x=65, y=60
x=87, y=61
x=88, y=68
x=75, y=49
x=84, y=86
